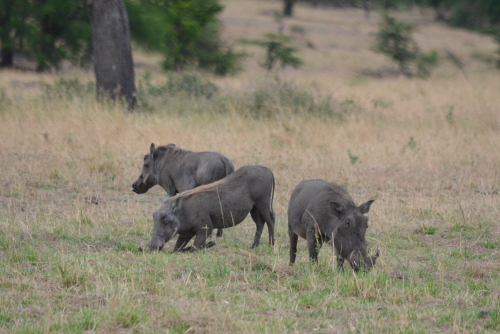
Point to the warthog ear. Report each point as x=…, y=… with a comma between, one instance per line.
x=152, y=149
x=173, y=207
x=365, y=207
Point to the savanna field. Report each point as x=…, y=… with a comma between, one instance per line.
x=427, y=150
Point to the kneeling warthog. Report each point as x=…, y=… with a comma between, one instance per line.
x=321, y=211
x=224, y=203
x=177, y=170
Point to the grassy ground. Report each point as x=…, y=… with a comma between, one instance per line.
x=428, y=152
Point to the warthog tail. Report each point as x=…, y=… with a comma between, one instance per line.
x=228, y=167
x=272, y=199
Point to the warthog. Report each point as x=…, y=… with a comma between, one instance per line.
x=321, y=211
x=224, y=203
x=177, y=170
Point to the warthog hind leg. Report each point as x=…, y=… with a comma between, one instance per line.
x=257, y=218
x=293, y=244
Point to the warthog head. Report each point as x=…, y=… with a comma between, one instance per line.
x=349, y=236
x=166, y=226
x=147, y=179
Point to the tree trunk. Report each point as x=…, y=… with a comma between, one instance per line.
x=288, y=10
x=6, y=41
x=113, y=63
x=6, y=58
x=367, y=8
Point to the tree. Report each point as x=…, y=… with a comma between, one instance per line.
x=394, y=39
x=13, y=27
x=277, y=51
x=113, y=63
x=288, y=8
x=440, y=8
x=192, y=37
x=479, y=15
x=496, y=35
x=187, y=32
x=45, y=30
x=476, y=14
x=61, y=31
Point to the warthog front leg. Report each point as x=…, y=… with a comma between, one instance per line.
x=314, y=242
x=340, y=263
x=200, y=240
x=192, y=249
x=182, y=241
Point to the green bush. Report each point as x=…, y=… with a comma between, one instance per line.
x=277, y=51
x=186, y=32
x=194, y=93
x=66, y=88
x=395, y=40
x=425, y=62
x=192, y=85
x=278, y=98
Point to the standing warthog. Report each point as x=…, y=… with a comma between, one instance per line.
x=224, y=203
x=321, y=211
x=177, y=170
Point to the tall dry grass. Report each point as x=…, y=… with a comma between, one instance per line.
x=426, y=150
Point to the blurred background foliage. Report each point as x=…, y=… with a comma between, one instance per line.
x=186, y=32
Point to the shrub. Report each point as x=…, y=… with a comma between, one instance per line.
x=65, y=88
x=278, y=98
x=192, y=85
x=187, y=32
x=425, y=62
x=277, y=51
x=195, y=94
x=395, y=40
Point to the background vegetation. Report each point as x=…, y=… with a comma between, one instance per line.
x=426, y=150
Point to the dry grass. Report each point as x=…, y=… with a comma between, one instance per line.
x=428, y=151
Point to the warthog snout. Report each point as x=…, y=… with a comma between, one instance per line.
x=139, y=186
x=156, y=244
x=367, y=262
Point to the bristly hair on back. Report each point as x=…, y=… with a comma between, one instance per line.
x=170, y=146
x=202, y=188
x=172, y=150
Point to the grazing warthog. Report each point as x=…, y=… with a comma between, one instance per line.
x=177, y=170
x=224, y=203
x=321, y=211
